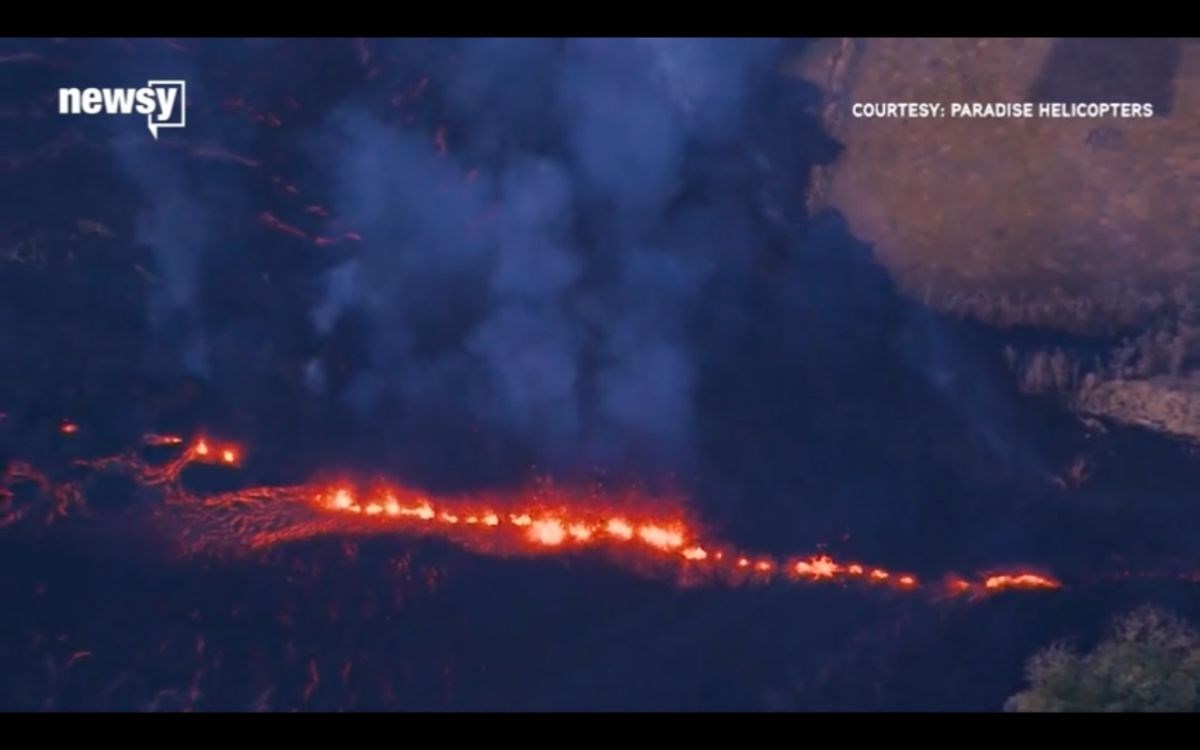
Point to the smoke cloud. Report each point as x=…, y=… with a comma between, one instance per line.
x=539, y=264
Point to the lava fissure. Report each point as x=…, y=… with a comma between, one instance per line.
x=542, y=520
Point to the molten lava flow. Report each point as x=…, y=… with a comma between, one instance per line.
x=541, y=520
x=993, y=583
x=200, y=450
x=548, y=532
x=53, y=500
x=1019, y=581
x=271, y=221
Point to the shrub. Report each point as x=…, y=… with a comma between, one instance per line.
x=1149, y=662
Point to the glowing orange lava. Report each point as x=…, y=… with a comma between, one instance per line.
x=1020, y=581
x=619, y=528
x=549, y=532
x=956, y=585
x=651, y=533
x=154, y=438
x=662, y=538
x=817, y=567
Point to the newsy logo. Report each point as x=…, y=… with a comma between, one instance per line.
x=162, y=102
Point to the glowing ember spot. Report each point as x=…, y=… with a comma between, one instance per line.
x=824, y=567
x=521, y=520
x=449, y=517
x=657, y=536
x=817, y=567
x=619, y=528
x=695, y=553
x=423, y=511
x=68, y=428
x=879, y=575
x=855, y=570
x=229, y=456
x=201, y=448
x=156, y=439
x=374, y=509
x=580, y=531
x=1020, y=581
x=956, y=585
x=907, y=581
x=342, y=500
x=491, y=519
x=743, y=562
x=764, y=566
x=391, y=506
x=549, y=532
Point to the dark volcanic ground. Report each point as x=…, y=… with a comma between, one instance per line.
x=787, y=388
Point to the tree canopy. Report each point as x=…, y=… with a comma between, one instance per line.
x=1149, y=662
